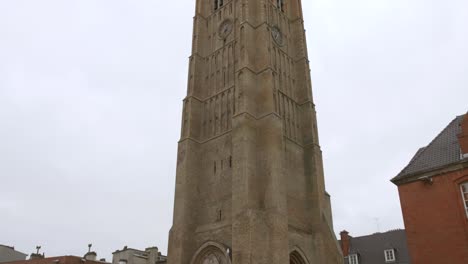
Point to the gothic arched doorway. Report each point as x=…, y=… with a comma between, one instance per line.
x=211, y=253
x=296, y=258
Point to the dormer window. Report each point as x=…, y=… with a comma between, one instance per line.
x=280, y=4
x=389, y=255
x=353, y=259
x=464, y=193
x=218, y=4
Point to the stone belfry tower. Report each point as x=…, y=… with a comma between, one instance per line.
x=250, y=185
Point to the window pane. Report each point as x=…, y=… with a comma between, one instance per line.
x=464, y=193
x=353, y=259
x=465, y=187
x=389, y=255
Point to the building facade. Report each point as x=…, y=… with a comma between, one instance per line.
x=378, y=248
x=250, y=184
x=8, y=254
x=134, y=256
x=433, y=191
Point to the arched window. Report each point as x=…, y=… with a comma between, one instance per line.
x=280, y=4
x=211, y=253
x=296, y=258
x=464, y=193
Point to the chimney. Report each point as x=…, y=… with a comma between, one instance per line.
x=153, y=254
x=36, y=256
x=463, y=137
x=345, y=242
x=90, y=256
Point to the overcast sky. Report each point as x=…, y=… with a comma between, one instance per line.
x=90, y=109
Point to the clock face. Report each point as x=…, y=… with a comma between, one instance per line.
x=277, y=35
x=225, y=29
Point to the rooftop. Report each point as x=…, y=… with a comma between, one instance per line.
x=57, y=260
x=370, y=248
x=442, y=151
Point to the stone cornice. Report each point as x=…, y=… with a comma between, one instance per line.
x=290, y=20
x=234, y=41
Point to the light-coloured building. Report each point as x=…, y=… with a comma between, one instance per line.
x=250, y=183
x=8, y=254
x=135, y=256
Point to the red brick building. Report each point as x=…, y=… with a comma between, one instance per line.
x=433, y=190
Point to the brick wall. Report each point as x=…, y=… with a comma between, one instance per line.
x=435, y=220
x=344, y=242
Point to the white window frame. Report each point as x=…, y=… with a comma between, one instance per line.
x=464, y=195
x=353, y=259
x=463, y=155
x=390, y=255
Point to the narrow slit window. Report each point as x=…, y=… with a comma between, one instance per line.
x=280, y=4
x=218, y=4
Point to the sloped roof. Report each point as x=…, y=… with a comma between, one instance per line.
x=443, y=150
x=371, y=248
x=8, y=253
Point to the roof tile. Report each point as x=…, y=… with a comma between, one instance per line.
x=443, y=150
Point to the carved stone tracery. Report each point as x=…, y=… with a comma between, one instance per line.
x=211, y=259
x=211, y=253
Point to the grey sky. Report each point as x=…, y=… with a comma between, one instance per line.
x=90, y=107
